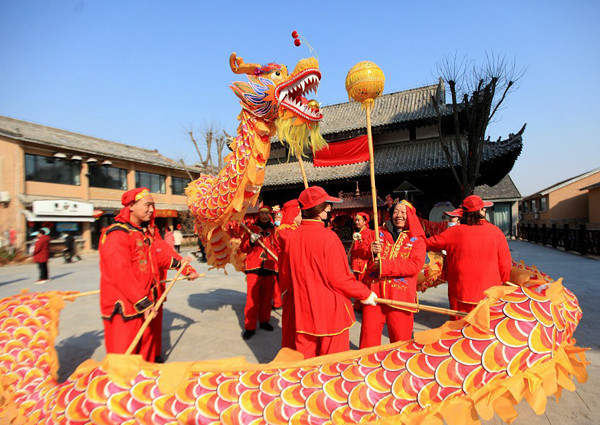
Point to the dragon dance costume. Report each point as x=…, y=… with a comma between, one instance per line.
x=129, y=279
x=261, y=274
x=477, y=259
x=317, y=279
x=402, y=259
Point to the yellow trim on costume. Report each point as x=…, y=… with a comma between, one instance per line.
x=141, y=195
x=320, y=335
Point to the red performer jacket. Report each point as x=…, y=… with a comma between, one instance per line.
x=315, y=271
x=258, y=261
x=401, y=262
x=129, y=270
x=41, y=250
x=360, y=254
x=477, y=259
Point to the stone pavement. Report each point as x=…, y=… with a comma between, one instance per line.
x=203, y=320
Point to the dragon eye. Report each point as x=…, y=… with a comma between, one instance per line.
x=276, y=75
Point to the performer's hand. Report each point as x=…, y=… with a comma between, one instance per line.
x=357, y=236
x=370, y=300
x=376, y=247
x=147, y=313
x=187, y=258
x=254, y=237
x=193, y=276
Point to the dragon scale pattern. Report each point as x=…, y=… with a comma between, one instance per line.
x=516, y=344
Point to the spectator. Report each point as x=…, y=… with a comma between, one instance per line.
x=41, y=254
x=71, y=248
x=170, y=237
x=178, y=238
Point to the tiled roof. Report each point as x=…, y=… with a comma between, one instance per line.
x=505, y=189
x=563, y=183
x=79, y=143
x=402, y=157
x=357, y=202
x=391, y=111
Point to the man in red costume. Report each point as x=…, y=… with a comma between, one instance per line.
x=291, y=218
x=41, y=254
x=477, y=255
x=394, y=275
x=129, y=274
x=261, y=273
x=315, y=274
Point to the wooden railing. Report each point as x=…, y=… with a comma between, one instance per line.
x=579, y=239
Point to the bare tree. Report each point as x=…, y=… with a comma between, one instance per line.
x=478, y=92
x=211, y=136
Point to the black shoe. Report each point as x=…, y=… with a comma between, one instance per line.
x=159, y=359
x=248, y=334
x=266, y=326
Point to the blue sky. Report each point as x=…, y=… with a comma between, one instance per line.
x=140, y=72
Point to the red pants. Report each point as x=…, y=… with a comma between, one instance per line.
x=312, y=346
x=258, y=299
x=277, y=303
x=460, y=306
x=399, y=322
x=156, y=330
x=119, y=334
x=288, y=322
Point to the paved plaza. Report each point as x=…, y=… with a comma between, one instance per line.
x=203, y=320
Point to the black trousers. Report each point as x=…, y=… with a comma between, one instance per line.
x=43, y=271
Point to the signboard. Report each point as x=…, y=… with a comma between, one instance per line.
x=67, y=227
x=166, y=213
x=63, y=208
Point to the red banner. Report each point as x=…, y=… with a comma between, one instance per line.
x=349, y=151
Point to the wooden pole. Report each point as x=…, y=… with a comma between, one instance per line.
x=372, y=167
x=429, y=308
x=260, y=242
x=301, y=162
x=97, y=291
x=156, y=307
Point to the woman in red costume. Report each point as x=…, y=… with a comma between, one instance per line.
x=360, y=254
x=316, y=275
x=129, y=274
x=291, y=218
x=477, y=255
x=394, y=275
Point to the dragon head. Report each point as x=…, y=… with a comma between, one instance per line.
x=274, y=95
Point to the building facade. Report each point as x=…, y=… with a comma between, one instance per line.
x=573, y=202
x=71, y=182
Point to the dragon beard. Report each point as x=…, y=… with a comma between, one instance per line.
x=299, y=137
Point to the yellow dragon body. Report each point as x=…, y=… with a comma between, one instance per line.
x=272, y=101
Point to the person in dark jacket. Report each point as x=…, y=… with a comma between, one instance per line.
x=71, y=249
x=41, y=254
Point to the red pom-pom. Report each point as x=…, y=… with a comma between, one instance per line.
x=295, y=34
x=297, y=42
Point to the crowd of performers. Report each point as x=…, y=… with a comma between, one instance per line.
x=297, y=263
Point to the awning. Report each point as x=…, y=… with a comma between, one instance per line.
x=56, y=218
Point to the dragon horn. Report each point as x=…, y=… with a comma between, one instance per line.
x=239, y=67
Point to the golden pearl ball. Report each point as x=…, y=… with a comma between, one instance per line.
x=314, y=105
x=365, y=82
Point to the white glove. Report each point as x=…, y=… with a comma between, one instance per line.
x=254, y=237
x=370, y=300
x=357, y=236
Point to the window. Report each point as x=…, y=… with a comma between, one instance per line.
x=52, y=170
x=534, y=206
x=154, y=182
x=543, y=204
x=108, y=177
x=525, y=207
x=179, y=185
